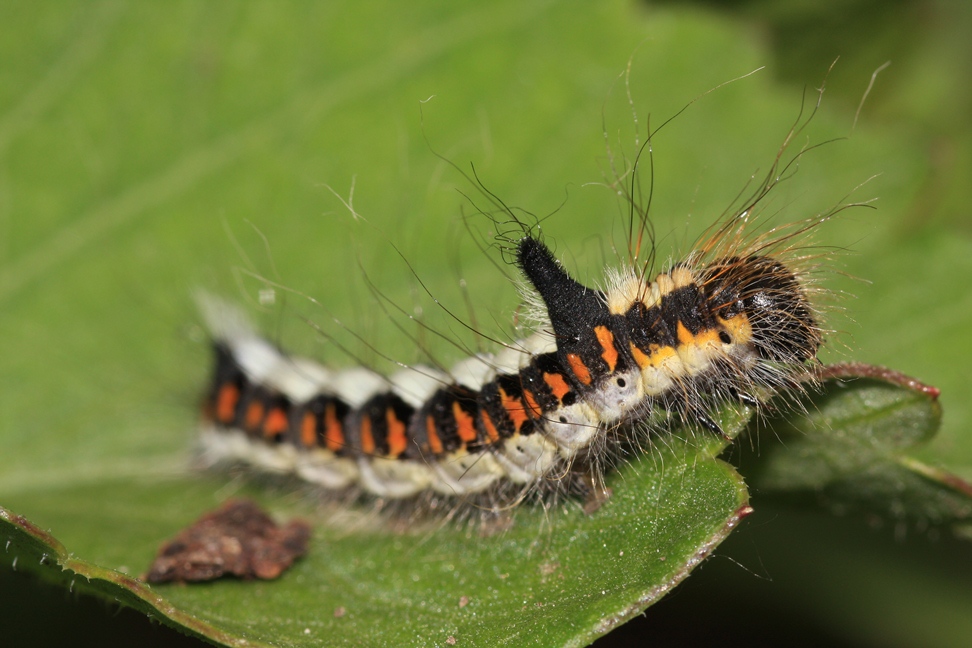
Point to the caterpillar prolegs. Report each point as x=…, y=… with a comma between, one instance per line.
x=730, y=323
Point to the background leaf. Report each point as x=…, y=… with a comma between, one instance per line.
x=138, y=140
x=852, y=448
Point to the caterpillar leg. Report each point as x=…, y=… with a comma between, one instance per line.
x=709, y=424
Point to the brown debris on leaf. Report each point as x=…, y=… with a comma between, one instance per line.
x=237, y=539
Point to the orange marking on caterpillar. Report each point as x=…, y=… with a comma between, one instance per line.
x=465, y=424
x=606, y=339
x=276, y=423
x=533, y=408
x=557, y=385
x=226, y=402
x=491, y=432
x=435, y=443
x=397, y=439
x=333, y=429
x=254, y=415
x=515, y=409
x=308, y=430
x=580, y=370
x=367, y=438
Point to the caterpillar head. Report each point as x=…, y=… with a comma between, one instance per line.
x=759, y=298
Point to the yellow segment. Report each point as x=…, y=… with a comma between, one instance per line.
x=665, y=284
x=696, y=351
x=640, y=357
x=703, y=338
x=682, y=276
x=708, y=337
x=684, y=335
x=656, y=355
x=629, y=290
x=738, y=328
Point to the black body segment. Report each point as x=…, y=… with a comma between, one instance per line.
x=320, y=423
x=578, y=315
x=447, y=422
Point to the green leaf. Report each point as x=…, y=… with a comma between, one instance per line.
x=555, y=577
x=853, y=448
x=150, y=198
x=139, y=141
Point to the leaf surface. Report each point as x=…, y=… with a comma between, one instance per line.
x=147, y=150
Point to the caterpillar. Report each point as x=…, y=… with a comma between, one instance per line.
x=693, y=337
x=733, y=322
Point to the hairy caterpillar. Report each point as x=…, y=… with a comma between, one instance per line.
x=732, y=322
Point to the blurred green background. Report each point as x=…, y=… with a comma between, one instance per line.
x=147, y=148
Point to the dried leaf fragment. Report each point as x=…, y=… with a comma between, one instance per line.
x=237, y=539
